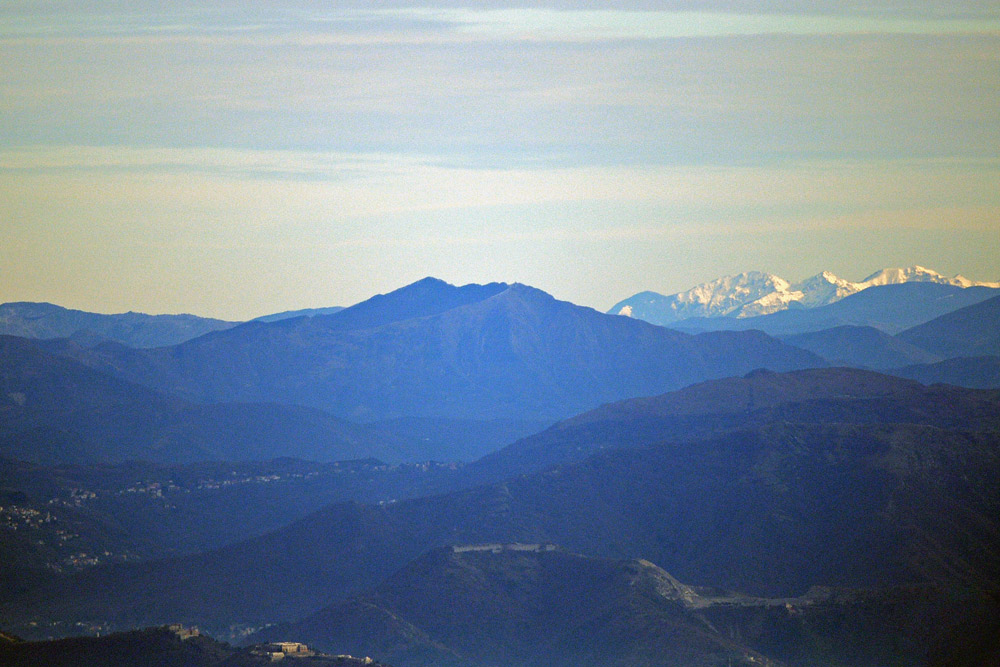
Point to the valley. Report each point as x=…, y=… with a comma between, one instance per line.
x=816, y=513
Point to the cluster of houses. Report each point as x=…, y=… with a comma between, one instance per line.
x=183, y=632
x=280, y=650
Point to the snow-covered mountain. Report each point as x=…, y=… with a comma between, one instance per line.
x=755, y=293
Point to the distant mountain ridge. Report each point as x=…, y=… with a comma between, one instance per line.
x=55, y=410
x=967, y=332
x=431, y=349
x=46, y=320
x=888, y=308
x=755, y=293
x=879, y=475
x=305, y=312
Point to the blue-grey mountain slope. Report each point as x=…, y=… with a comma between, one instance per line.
x=430, y=349
x=975, y=372
x=54, y=409
x=889, y=308
x=861, y=347
x=968, y=332
x=305, y=312
x=45, y=320
x=836, y=395
x=523, y=604
x=495, y=605
x=894, y=485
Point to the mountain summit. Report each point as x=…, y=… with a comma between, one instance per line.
x=756, y=293
x=431, y=349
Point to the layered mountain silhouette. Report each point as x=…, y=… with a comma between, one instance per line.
x=831, y=395
x=55, y=409
x=816, y=514
x=533, y=604
x=45, y=320
x=889, y=308
x=862, y=347
x=771, y=510
x=976, y=372
x=434, y=350
x=523, y=604
x=960, y=347
x=972, y=331
x=755, y=293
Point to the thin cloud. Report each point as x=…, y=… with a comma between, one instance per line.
x=447, y=24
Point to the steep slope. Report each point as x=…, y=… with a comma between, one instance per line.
x=975, y=372
x=864, y=347
x=967, y=332
x=771, y=510
x=811, y=396
x=889, y=308
x=45, y=320
x=722, y=297
x=531, y=604
x=499, y=605
x=305, y=312
x=754, y=293
x=474, y=352
x=55, y=409
x=70, y=518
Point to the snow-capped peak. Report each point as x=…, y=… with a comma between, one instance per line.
x=732, y=292
x=912, y=274
x=757, y=293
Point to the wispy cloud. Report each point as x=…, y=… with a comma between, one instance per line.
x=222, y=161
x=352, y=24
x=587, y=25
x=652, y=137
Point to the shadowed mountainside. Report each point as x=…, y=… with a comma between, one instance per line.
x=54, y=409
x=810, y=396
x=861, y=347
x=968, y=332
x=772, y=510
x=45, y=320
x=493, y=605
x=523, y=605
x=435, y=350
x=976, y=372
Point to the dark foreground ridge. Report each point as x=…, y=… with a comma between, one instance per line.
x=492, y=605
x=771, y=508
x=165, y=646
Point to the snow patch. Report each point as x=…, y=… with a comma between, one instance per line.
x=756, y=293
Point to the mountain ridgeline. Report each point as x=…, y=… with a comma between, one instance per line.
x=754, y=294
x=523, y=604
x=838, y=478
x=434, y=350
x=45, y=320
x=56, y=410
x=889, y=308
x=630, y=494
x=533, y=604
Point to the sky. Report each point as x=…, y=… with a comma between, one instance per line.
x=232, y=159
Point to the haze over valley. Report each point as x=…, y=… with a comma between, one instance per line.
x=298, y=477
x=424, y=333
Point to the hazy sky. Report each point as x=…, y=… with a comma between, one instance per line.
x=238, y=158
